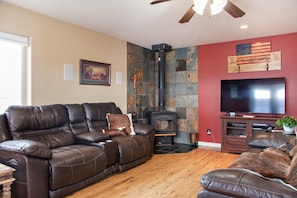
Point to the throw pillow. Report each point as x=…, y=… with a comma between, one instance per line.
x=131, y=124
x=119, y=121
x=115, y=132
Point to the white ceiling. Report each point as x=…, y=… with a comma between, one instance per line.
x=139, y=22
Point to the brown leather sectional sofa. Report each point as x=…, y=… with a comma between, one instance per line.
x=268, y=169
x=59, y=149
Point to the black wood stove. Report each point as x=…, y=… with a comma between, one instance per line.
x=164, y=122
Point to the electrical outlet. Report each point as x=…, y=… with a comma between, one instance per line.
x=208, y=132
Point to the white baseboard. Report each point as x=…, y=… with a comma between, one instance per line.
x=209, y=144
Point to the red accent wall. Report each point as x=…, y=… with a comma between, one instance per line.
x=213, y=66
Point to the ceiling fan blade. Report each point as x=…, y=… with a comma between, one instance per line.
x=233, y=10
x=159, y=1
x=188, y=15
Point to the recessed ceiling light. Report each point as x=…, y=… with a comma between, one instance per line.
x=244, y=27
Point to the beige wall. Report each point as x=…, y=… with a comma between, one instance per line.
x=55, y=43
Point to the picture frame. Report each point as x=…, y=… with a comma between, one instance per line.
x=94, y=73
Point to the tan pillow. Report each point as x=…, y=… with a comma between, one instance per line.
x=115, y=132
x=131, y=124
x=119, y=121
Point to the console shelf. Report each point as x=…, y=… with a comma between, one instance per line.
x=237, y=130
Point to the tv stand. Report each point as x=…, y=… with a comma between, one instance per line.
x=248, y=116
x=237, y=130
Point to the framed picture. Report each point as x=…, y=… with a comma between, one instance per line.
x=94, y=73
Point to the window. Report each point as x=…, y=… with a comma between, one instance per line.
x=12, y=71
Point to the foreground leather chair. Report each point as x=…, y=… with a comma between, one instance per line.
x=241, y=182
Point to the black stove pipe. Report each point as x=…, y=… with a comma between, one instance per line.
x=162, y=49
x=161, y=80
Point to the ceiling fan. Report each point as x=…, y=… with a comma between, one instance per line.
x=231, y=8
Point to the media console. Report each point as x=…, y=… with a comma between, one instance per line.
x=236, y=131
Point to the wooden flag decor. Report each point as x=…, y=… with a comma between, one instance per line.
x=260, y=47
x=254, y=57
x=253, y=48
x=254, y=62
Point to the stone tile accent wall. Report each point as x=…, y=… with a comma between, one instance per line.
x=182, y=89
x=181, y=85
x=141, y=80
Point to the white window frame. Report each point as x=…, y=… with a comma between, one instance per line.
x=26, y=70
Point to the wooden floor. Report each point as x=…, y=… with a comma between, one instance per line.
x=163, y=176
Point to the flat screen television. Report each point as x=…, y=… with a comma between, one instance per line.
x=263, y=95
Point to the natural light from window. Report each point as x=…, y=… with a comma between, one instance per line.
x=262, y=94
x=10, y=74
x=281, y=94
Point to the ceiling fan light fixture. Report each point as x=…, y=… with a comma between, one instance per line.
x=199, y=6
x=215, y=6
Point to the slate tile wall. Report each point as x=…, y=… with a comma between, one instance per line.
x=181, y=85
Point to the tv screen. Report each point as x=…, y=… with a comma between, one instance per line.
x=266, y=95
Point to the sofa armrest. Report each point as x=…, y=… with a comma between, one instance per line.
x=27, y=147
x=147, y=131
x=143, y=129
x=209, y=194
x=4, y=131
x=91, y=137
x=245, y=183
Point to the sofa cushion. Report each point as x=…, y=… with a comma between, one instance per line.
x=143, y=129
x=52, y=138
x=46, y=124
x=96, y=115
x=77, y=119
x=132, y=148
x=74, y=163
x=27, y=147
x=26, y=118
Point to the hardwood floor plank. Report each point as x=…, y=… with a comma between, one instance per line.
x=164, y=176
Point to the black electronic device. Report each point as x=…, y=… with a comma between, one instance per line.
x=263, y=95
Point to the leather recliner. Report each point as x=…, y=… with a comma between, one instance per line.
x=241, y=182
x=59, y=149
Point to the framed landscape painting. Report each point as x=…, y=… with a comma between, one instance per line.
x=94, y=73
